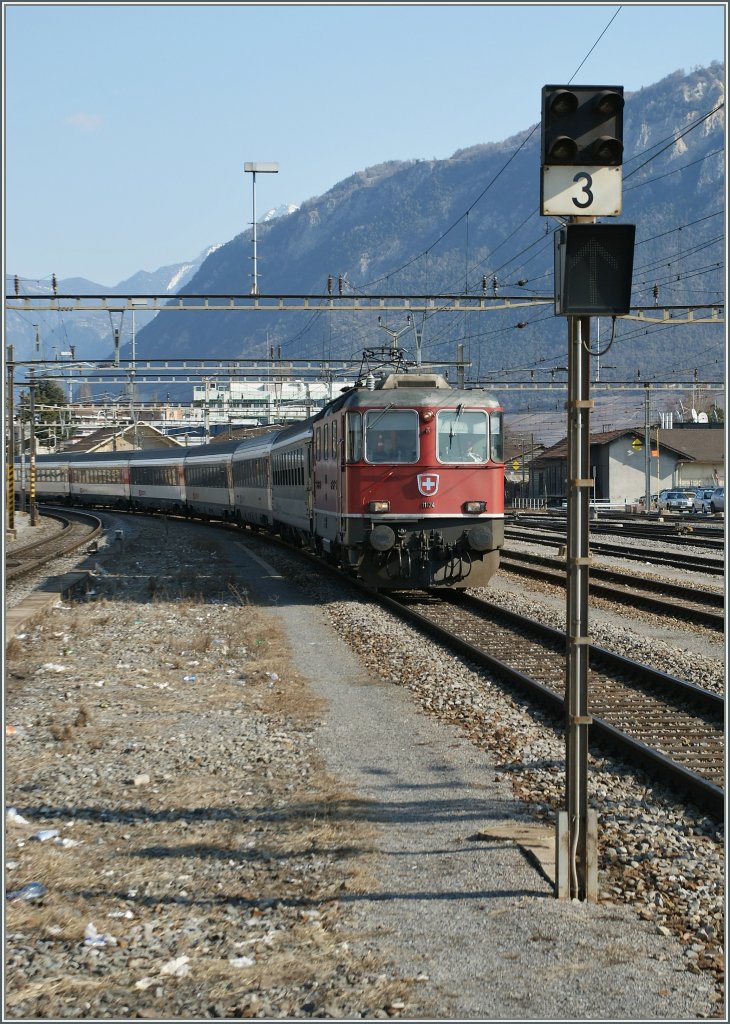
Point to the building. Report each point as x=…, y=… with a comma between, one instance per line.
x=678, y=458
x=264, y=401
x=701, y=448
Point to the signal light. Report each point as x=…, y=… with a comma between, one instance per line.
x=609, y=102
x=562, y=102
x=582, y=125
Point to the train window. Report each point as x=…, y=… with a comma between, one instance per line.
x=496, y=436
x=326, y=441
x=462, y=435
x=334, y=439
x=391, y=435
x=353, y=446
x=318, y=444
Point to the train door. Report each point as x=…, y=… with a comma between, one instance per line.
x=230, y=486
x=335, y=462
x=326, y=471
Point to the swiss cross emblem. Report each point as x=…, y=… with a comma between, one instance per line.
x=428, y=483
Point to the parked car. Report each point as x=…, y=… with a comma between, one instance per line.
x=702, y=497
x=641, y=500
x=717, y=500
x=675, y=501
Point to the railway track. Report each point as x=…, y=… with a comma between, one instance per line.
x=75, y=529
x=685, y=561
x=671, y=727
x=689, y=603
x=694, y=531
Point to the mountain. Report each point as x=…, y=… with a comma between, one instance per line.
x=430, y=227
x=442, y=226
x=91, y=334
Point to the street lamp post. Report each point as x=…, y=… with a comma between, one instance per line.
x=133, y=375
x=253, y=169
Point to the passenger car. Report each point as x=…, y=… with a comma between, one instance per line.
x=675, y=501
x=702, y=497
x=717, y=500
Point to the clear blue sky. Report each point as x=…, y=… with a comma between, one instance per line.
x=127, y=127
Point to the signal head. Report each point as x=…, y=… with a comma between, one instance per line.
x=582, y=125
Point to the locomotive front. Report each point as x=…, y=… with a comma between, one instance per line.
x=417, y=500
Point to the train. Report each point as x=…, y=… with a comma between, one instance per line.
x=399, y=480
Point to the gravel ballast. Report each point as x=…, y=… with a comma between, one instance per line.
x=298, y=829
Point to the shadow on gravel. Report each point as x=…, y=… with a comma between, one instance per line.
x=263, y=903
x=401, y=811
x=206, y=851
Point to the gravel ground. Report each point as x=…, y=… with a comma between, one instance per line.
x=240, y=836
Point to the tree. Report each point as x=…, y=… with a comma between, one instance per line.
x=51, y=423
x=716, y=413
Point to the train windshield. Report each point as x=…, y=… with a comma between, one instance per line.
x=391, y=435
x=462, y=435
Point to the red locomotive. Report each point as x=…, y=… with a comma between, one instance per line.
x=408, y=482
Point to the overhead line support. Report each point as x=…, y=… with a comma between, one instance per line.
x=346, y=304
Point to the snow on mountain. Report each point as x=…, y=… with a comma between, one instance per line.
x=279, y=211
x=185, y=270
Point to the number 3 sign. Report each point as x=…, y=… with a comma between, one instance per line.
x=570, y=191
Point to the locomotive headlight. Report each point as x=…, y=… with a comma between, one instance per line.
x=381, y=537
x=378, y=506
x=474, y=506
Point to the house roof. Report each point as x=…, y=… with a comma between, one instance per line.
x=693, y=445
x=706, y=445
x=103, y=439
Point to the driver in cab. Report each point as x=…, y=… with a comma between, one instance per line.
x=384, y=449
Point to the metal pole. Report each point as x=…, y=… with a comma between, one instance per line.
x=576, y=874
x=532, y=460
x=255, y=287
x=22, y=503
x=33, y=507
x=647, y=452
x=206, y=414
x=132, y=387
x=11, y=444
